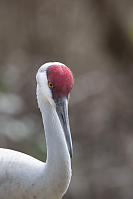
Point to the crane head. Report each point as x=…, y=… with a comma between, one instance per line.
x=54, y=83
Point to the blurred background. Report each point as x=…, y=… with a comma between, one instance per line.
x=95, y=39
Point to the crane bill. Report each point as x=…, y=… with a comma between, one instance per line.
x=62, y=111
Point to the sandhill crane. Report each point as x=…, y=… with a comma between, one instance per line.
x=24, y=177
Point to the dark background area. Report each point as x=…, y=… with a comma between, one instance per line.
x=95, y=39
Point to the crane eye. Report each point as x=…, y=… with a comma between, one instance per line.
x=50, y=85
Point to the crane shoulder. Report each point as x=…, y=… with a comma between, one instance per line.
x=8, y=156
x=20, y=175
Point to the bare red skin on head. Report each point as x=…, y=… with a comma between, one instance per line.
x=62, y=79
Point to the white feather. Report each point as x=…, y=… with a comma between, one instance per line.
x=24, y=177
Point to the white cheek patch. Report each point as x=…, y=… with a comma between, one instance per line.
x=43, y=86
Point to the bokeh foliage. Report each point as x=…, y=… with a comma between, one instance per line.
x=95, y=39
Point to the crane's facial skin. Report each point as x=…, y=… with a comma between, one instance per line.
x=55, y=81
x=60, y=80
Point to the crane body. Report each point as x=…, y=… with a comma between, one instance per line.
x=24, y=177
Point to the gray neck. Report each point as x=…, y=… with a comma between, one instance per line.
x=58, y=163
